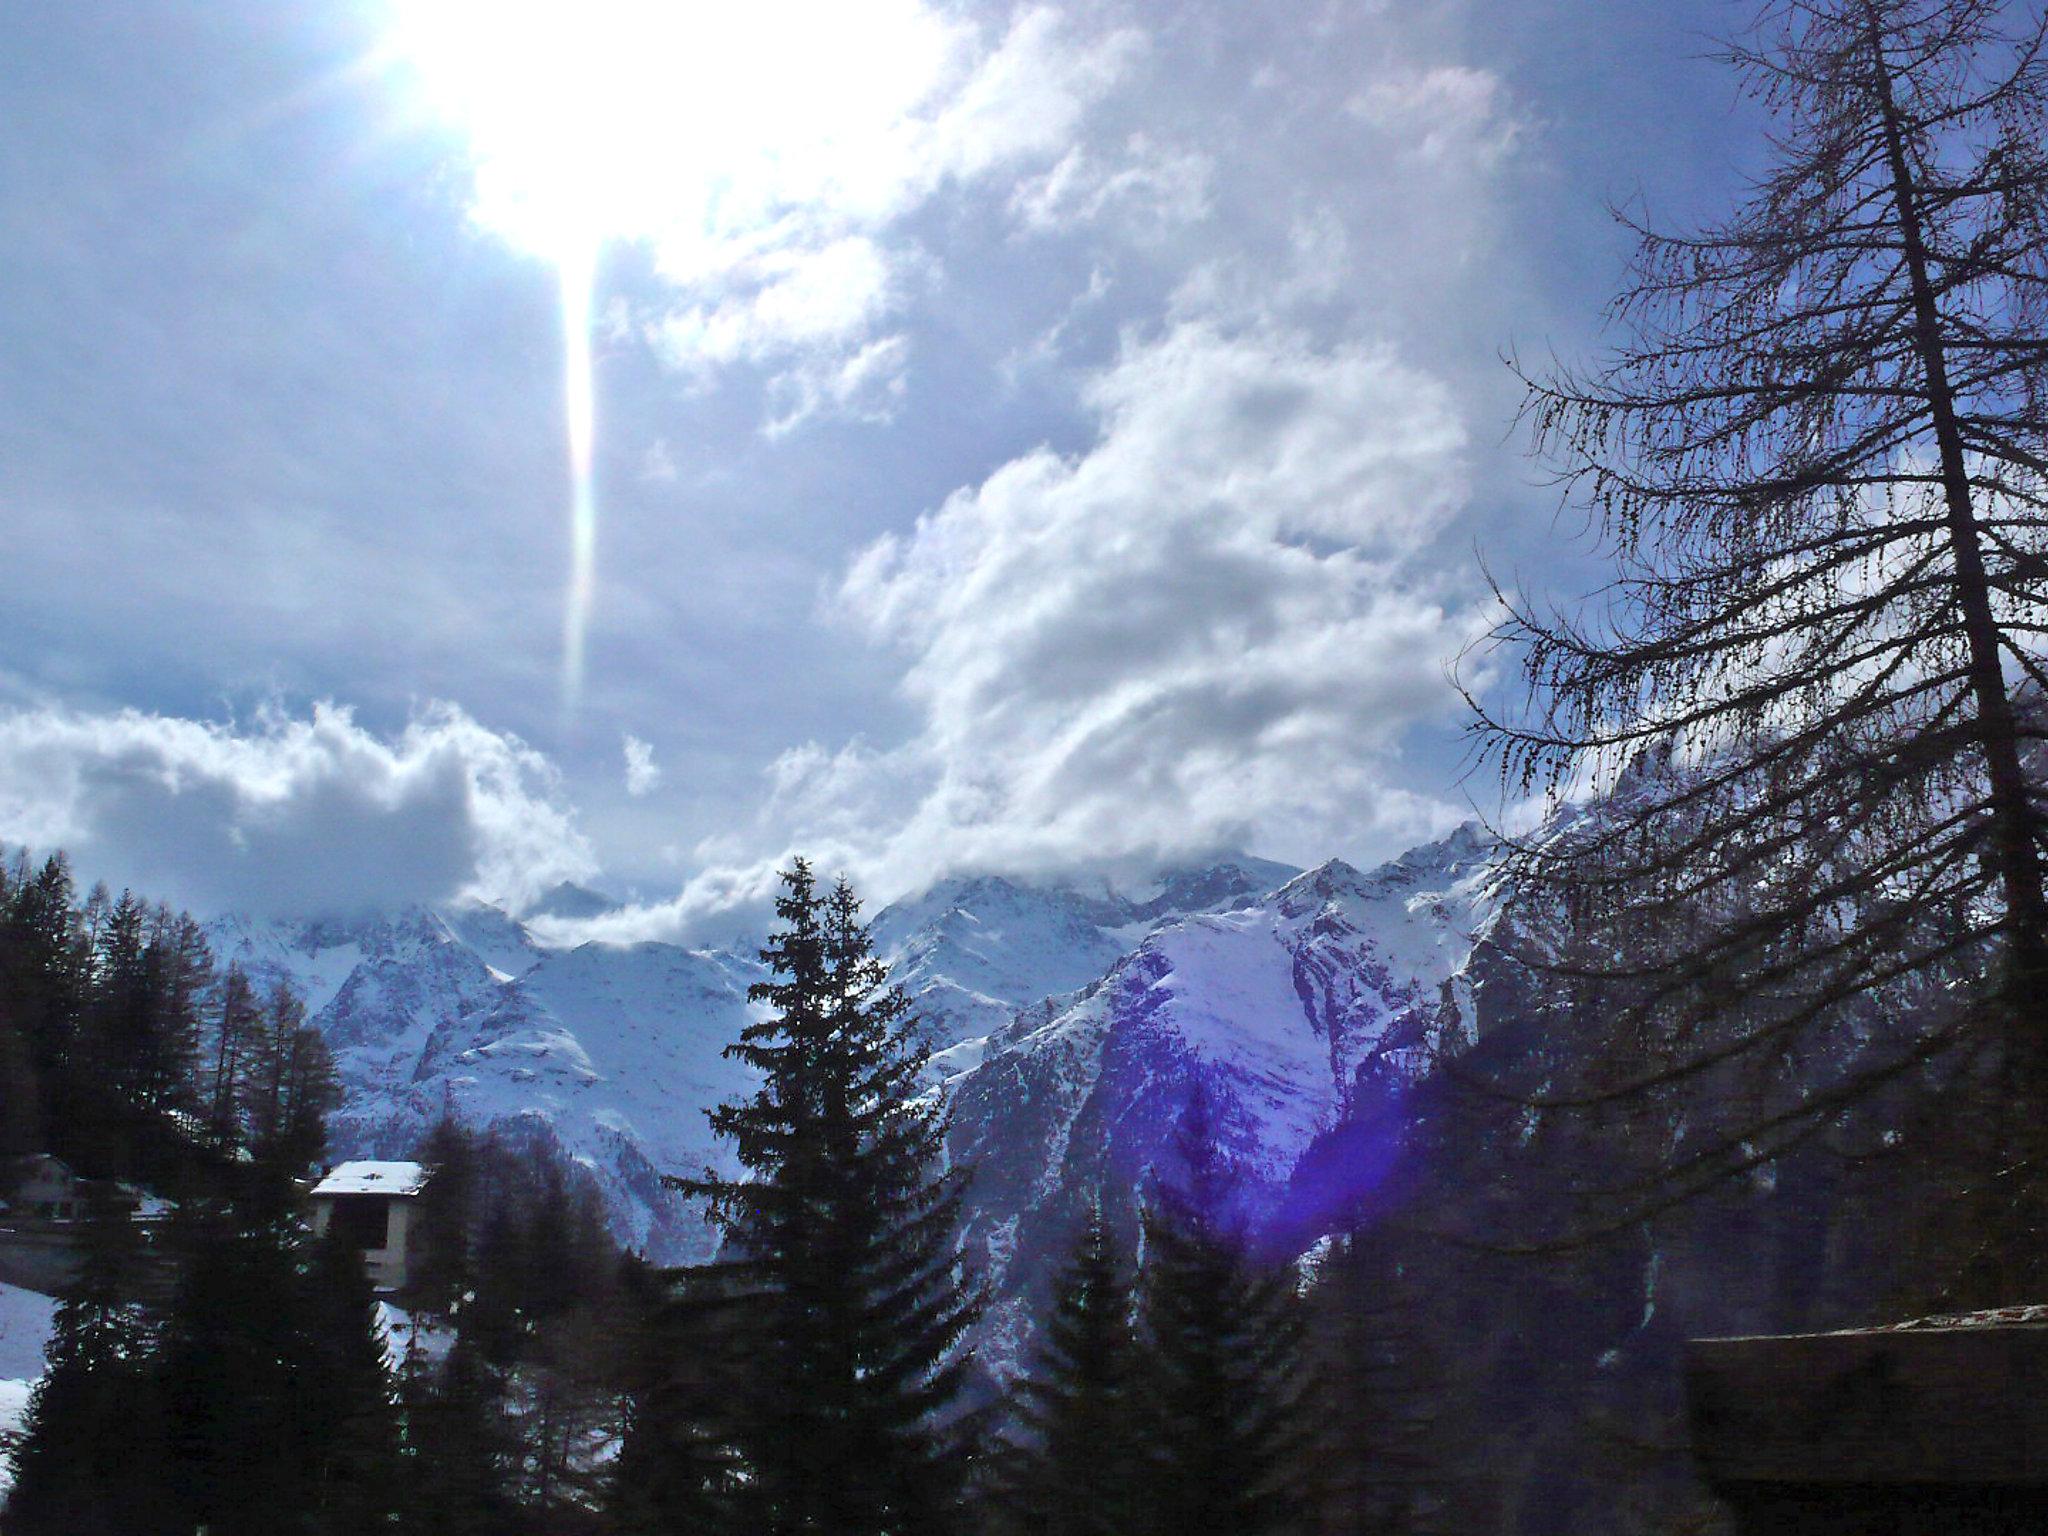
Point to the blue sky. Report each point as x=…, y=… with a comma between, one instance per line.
x=1027, y=436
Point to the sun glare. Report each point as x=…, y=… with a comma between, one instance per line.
x=705, y=130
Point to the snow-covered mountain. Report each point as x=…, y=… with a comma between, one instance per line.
x=612, y=1051
x=1281, y=1002
x=972, y=951
x=1067, y=1017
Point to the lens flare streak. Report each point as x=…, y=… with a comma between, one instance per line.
x=579, y=278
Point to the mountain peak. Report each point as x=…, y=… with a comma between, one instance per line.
x=571, y=900
x=1326, y=882
x=1228, y=881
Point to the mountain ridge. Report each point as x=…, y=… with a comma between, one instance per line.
x=614, y=1051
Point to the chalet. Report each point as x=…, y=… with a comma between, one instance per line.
x=43, y=1188
x=46, y=1211
x=1932, y=1427
x=374, y=1207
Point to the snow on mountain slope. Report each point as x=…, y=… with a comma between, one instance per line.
x=1277, y=1003
x=495, y=937
x=1073, y=1015
x=971, y=951
x=612, y=1052
x=617, y=1052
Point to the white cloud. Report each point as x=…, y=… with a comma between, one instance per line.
x=658, y=464
x=1201, y=632
x=1206, y=632
x=643, y=777
x=1027, y=97
x=767, y=155
x=784, y=301
x=866, y=385
x=1151, y=185
x=1447, y=113
x=286, y=814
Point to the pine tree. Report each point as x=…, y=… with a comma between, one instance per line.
x=180, y=968
x=448, y=1209
x=459, y=1449
x=1378, y=1477
x=46, y=973
x=346, y=1383
x=840, y=1264
x=237, y=1038
x=677, y=1469
x=1227, y=1438
x=89, y=1459
x=120, y=1016
x=21, y=1119
x=290, y=1089
x=242, y=1456
x=283, y=1413
x=1820, y=460
x=1071, y=1473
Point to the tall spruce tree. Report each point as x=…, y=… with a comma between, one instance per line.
x=1819, y=456
x=89, y=1459
x=459, y=1447
x=840, y=1262
x=347, y=1380
x=1069, y=1474
x=281, y=1413
x=1228, y=1441
x=677, y=1468
x=237, y=1045
x=290, y=1088
x=38, y=998
x=448, y=1210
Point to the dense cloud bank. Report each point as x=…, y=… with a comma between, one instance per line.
x=293, y=814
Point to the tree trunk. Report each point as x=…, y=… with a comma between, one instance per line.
x=2012, y=811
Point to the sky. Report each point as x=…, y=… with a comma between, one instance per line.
x=450, y=448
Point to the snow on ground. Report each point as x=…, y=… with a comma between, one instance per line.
x=13, y=1409
x=25, y=1319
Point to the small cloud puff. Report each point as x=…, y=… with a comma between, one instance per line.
x=289, y=815
x=642, y=776
x=1447, y=113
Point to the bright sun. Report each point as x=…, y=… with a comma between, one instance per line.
x=702, y=128
x=673, y=119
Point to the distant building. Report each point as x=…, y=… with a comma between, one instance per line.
x=373, y=1207
x=46, y=1210
x=43, y=1188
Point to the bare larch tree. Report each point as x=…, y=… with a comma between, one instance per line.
x=1803, y=721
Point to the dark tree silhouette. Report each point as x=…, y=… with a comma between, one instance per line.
x=1375, y=1392
x=89, y=1461
x=290, y=1089
x=841, y=1265
x=1227, y=1442
x=1815, y=687
x=1070, y=1473
x=236, y=1047
x=459, y=1447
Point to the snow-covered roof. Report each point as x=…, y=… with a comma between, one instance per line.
x=373, y=1179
